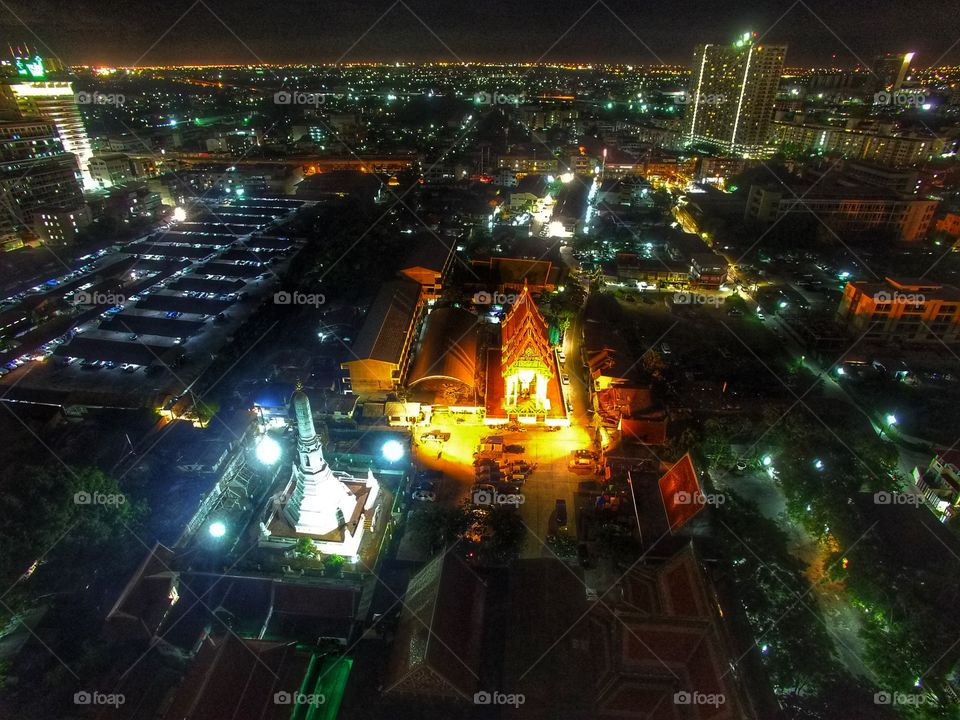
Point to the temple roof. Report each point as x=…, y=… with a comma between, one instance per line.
x=524, y=331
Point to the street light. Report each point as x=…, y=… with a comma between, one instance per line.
x=767, y=461
x=268, y=450
x=891, y=419
x=217, y=529
x=179, y=214
x=392, y=451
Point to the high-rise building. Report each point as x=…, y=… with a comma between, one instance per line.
x=56, y=101
x=35, y=174
x=732, y=96
x=890, y=70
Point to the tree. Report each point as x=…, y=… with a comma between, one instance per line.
x=562, y=545
x=305, y=548
x=59, y=523
x=716, y=444
x=438, y=526
x=334, y=563
x=506, y=538
x=654, y=364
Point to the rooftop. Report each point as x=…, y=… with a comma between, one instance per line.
x=384, y=331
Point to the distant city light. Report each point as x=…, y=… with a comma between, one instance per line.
x=268, y=450
x=392, y=451
x=217, y=529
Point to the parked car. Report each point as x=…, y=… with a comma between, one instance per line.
x=561, y=513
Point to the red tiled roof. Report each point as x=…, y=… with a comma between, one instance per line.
x=681, y=494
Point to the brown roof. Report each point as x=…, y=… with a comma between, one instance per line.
x=146, y=600
x=384, y=330
x=437, y=649
x=448, y=350
x=234, y=678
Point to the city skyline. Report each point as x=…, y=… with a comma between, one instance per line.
x=332, y=32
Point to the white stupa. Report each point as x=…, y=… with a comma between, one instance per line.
x=333, y=508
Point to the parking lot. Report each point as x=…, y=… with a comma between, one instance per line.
x=181, y=292
x=545, y=459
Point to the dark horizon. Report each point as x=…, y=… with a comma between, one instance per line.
x=819, y=34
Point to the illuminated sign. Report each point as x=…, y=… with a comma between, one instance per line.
x=30, y=67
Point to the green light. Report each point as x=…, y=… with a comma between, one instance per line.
x=30, y=67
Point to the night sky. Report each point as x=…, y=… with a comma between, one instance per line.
x=149, y=32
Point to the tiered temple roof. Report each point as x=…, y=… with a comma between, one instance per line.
x=525, y=335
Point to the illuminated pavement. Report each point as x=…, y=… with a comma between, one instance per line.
x=550, y=481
